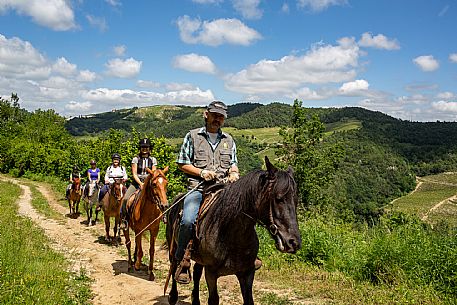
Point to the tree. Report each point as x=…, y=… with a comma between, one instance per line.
x=314, y=160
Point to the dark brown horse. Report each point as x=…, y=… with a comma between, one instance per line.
x=145, y=209
x=111, y=205
x=227, y=242
x=74, y=196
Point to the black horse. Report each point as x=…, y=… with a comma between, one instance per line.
x=227, y=242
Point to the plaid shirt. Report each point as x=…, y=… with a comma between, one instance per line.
x=186, y=154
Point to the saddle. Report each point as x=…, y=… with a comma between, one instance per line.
x=210, y=195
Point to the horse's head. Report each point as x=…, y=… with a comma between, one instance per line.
x=76, y=184
x=118, y=189
x=93, y=187
x=157, y=185
x=278, y=208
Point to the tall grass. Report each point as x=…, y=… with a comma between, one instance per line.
x=30, y=271
x=399, y=251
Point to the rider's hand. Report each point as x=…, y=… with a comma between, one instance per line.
x=141, y=186
x=233, y=176
x=208, y=175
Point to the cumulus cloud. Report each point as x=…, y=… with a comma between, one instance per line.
x=194, y=63
x=127, y=68
x=54, y=14
x=120, y=50
x=354, y=87
x=379, y=42
x=63, y=67
x=249, y=9
x=446, y=95
x=147, y=84
x=86, y=76
x=321, y=64
x=78, y=107
x=445, y=106
x=97, y=22
x=453, y=57
x=426, y=63
x=194, y=96
x=319, y=5
x=216, y=32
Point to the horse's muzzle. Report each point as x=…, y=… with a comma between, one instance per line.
x=287, y=244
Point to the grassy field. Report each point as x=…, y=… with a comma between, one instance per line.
x=432, y=191
x=30, y=271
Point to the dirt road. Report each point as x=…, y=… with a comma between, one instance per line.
x=103, y=263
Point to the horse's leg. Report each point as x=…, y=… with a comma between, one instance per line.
x=246, y=280
x=116, y=230
x=173, y=295
x=69, y=205
x=195, y=296
x=152, y=242
x=139, y=250
x=107, y=227
x=128, y=245
x=211, y=281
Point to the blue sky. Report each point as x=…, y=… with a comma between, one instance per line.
x=90, y=56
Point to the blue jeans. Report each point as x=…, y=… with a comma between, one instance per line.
x=189, y=216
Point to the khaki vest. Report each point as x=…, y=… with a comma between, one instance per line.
x=205, y=158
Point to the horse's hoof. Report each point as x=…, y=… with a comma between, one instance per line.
x=172, y=299
x=151, y=276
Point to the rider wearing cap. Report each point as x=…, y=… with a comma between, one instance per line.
x=139, y=164
x=207, y=155
x=114, y=171
x=75, y=173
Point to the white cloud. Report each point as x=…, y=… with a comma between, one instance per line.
x=453, y=57
x=120, y=50
x=427, y=63
x=195, y=96
x=354, y=87
x=147, y=84
x=379, y=42
x=416, y=99
x=97, y=22
x=54, y=14
x=19, y=59
x=179, y=86
x=216, y=32
x=63, y=67
x=249, y=9
x=321, y=64
x=446, y=95
x=285, y=8
x=123, y=68
x=445, y=106
x=86, y=76
x=194, y=63
x=319, y=5
x=306, y=93
x=78, y=107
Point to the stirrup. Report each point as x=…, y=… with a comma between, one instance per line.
x=182, y=275
x=124, y=224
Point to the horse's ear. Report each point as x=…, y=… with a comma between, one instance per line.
x=165, y=170
x=270, y=168
x=290, y=170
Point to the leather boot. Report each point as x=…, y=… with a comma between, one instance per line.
x=182, y=274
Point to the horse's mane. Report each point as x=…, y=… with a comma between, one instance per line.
x=144, y=194
x=242, y=195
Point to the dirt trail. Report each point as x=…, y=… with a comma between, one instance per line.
x=112, y=284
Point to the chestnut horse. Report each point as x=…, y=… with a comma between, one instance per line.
x=145, y=211
x=74, y=196
x=226, y=241
x=111, y=205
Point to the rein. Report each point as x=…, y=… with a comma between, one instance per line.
x=169, y=208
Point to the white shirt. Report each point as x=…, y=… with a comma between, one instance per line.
x=115, y=172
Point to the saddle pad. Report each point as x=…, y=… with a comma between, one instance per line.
x=207, y=203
